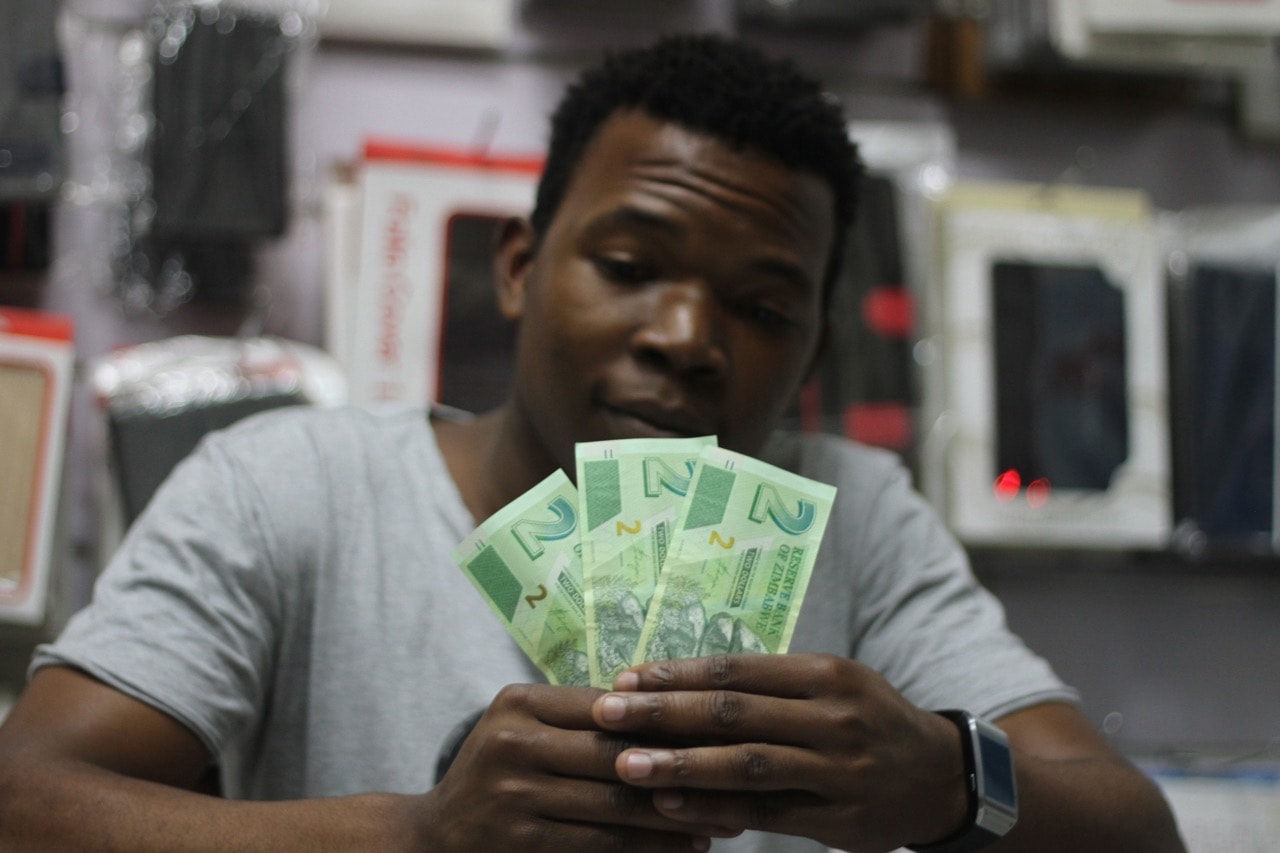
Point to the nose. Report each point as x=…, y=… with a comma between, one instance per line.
x=683, y=333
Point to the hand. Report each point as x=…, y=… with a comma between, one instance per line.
x=811, y=745
x=536, y=773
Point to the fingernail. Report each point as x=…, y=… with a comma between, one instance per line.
x=638, y=765
x=670, y=800
x=613, y=708
x=701, y=843
x=627, y=682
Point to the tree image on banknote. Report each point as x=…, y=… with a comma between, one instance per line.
x=630, y=492
x=745, y=545
x=525, y=561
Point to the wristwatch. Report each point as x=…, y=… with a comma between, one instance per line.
x=990, y=784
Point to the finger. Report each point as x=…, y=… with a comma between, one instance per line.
x=787, y=812
x=786, y=676
x=614, y=805
x=716, y=716
x=562, y=707
x=558, y=836
x=733, y=767
x=538, y=726
x=612, y=838
x=502, y=742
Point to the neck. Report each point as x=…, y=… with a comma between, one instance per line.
x=493, y=459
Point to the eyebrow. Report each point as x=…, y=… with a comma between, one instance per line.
x=629, y=216
x=789, y=272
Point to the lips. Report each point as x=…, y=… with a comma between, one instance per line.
x=649, y=418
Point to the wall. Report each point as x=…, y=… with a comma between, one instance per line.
x=1170, y=658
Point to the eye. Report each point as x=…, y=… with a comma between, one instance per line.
x=767, y=314
x=622, y=270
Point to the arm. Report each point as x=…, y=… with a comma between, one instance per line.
x=84, y=766
x=820, y=746
x=1075, y=792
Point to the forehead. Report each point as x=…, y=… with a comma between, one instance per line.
x=637, y=162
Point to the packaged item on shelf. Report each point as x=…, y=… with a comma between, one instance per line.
x=160, y=398
x=411, y=305
x=36, y=358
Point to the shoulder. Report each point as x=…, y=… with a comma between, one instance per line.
x=285, y=427
x=838, y=461
x=301, y=439
x=877, y=509
x=302, y=461
x=881, y=514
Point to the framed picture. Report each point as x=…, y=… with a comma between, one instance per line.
x=1049, y=390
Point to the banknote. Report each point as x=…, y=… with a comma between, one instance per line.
x=740, y=561
x=629, y=492
x=525, y=561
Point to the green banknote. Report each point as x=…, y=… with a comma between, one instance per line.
x=629, y=492
x=525, y=562
x=740, y=562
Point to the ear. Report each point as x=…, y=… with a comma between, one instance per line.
x=513, y=260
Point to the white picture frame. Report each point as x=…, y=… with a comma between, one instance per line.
x=980, y=225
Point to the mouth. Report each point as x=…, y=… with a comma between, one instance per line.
x=645, y=419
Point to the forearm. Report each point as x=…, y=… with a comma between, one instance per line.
x=69, y=806
x=1096, y=804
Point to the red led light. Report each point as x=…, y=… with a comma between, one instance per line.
x=1038, y=492
x=889, y=312
x=1007, y=485
x=880, y=424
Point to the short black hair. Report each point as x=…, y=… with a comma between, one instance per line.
x=715, y=85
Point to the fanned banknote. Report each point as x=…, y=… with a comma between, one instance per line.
x=525, y=562
x=740, y=562
x=629, y=492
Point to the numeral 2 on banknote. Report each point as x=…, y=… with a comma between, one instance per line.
x=525, y=561
x=745, y=546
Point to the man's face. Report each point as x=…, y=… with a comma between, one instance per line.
x=677, y=292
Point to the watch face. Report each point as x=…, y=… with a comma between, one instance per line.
x=997, y=771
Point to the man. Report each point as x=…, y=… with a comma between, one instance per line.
x=287, y=605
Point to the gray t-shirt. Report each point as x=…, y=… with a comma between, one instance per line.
x=289, y=596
